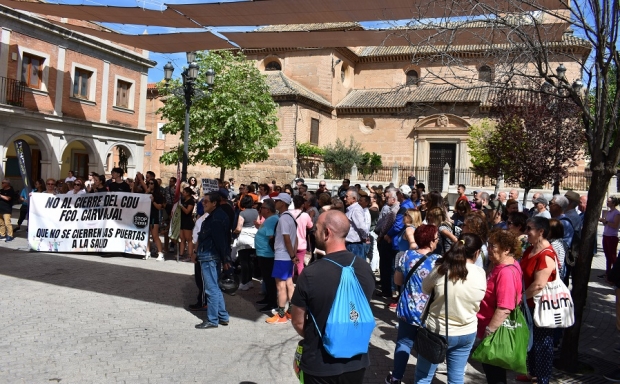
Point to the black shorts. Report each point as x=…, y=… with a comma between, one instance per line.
x=154, y=219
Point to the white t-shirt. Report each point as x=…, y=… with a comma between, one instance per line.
x=197, y=227
x=286, y=226
x=68, y=179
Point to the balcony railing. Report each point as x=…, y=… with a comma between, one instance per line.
x=12, y=92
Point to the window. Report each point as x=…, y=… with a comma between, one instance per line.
x=81, y=83
x=314, y=131
x=122, y=94
x=412, y=78
x=485, y=74
x=160, y=134
x=343, y=73
x=32, y=70
x=273, y=66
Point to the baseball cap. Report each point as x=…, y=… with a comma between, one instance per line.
x=572, y=196
x=541, y=200
x=284, y=197
x=299, y=180
x=405, y=189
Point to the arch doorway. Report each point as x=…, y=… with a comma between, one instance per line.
x=78, y=157
x=119, y=156
x=38, y=155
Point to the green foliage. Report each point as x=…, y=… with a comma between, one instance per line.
x=341, y=156
x=309, y=149
x=483, y=162
x=369, y=164
x=234, y=125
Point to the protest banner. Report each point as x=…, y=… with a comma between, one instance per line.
x=92, y=222
x=209, y=185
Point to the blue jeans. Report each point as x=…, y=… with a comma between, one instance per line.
x=404, y=344
x=357, y=249
x=216, y=307
x=458, y=353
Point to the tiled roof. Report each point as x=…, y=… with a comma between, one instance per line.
x=399, y=98
x=568, y=40
x=348, y=26
x=280, y=85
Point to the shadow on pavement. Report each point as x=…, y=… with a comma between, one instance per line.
x=158, y=287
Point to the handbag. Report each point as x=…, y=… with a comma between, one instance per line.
x=553, y=306
x=431, y=346
x=507, y=346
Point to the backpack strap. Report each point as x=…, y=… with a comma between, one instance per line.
x=410, y=273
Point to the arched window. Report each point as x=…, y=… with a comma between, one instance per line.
x=273, y=66
x=485, y=74
x=412, y=77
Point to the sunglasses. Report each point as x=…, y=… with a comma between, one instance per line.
x=51, y=183
x=321, y=185
x=77, y=185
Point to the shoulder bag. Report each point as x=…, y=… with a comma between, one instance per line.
x=553, y=306
x=431, y=346
x=410, y=273
x=507, y=346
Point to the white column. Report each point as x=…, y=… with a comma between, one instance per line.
x=142, y=106
x=105, y=85
x=60, y=76
x=5, y=41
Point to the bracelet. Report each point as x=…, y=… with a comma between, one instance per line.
x=487, y=331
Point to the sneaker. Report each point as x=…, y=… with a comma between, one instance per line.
x=393, y=306
x=247, y=286
x=171, y=249
x=8, y=238
x=269, y=309
x=390, y=380
x=147, y=256
x=160, y=256
x=524, y=378
x=276, y=319
x=442, y=368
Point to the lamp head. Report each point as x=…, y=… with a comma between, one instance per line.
x=577, y=85
x=191, y=56
x=210, y=75
x=561, y=71
x=192, y=71
x=168, y=69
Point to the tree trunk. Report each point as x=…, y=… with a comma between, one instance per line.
x=222, y=173
x=556, y=187
x=581, y=273
x=526, y=191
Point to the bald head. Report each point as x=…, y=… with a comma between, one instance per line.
x=337, y=223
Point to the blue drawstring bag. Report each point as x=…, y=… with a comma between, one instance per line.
x=350, y=322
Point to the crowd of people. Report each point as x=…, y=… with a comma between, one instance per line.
x=484, y=257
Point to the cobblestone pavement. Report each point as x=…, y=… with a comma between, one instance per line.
x=83, y=318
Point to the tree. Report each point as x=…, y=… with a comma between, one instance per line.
x=233, y=125
x=539, y=137
x=341, y=156
x=369, y=164
x=484, y=162
x=528, y=53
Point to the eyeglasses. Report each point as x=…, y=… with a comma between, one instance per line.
x=321, y=185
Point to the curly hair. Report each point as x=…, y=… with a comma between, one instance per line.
x=506, y=241
x=476, y=223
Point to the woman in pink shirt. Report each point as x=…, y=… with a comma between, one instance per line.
x=610, y=234
x=503, y=292
x=304, y=222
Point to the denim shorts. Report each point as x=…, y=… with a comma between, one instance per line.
x=282, y=269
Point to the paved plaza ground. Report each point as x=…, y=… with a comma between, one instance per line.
x=84, y=318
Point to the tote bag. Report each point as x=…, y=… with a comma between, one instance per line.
x=553, y=306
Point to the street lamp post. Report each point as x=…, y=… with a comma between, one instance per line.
x=187, y=91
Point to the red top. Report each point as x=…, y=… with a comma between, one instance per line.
x=531, y=264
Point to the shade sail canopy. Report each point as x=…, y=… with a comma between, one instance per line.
x=164, y=43
x=401, y=37
x=106, y=14
x=265, y=12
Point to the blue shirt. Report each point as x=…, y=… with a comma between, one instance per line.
x=413, y=300
x=261, y=241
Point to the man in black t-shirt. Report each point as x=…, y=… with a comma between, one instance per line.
x=117, y=184
x=315, y=292
x=7, y=198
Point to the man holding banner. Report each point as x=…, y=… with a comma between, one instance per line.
x=7, y=195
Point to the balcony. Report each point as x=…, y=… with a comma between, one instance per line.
x=12, y=92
